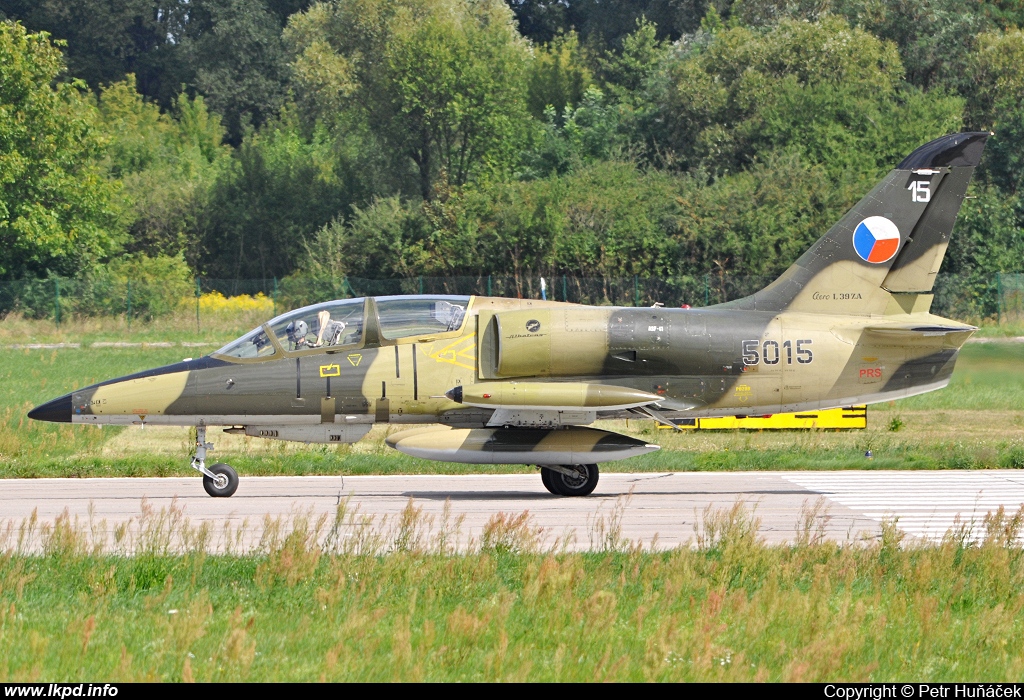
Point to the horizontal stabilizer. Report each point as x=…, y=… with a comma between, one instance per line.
x=918, y=330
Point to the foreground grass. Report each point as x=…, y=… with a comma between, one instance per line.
x=977, y=422
x=392, y=601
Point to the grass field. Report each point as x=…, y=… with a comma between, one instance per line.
x=976, y=422
x=391, y=603
x=361, y=600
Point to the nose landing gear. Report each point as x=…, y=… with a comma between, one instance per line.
x=220, y=480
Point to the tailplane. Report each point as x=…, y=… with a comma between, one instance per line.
x=888, y=248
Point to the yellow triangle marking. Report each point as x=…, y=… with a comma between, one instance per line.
x=452, y=353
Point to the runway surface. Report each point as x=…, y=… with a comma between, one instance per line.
x=664, y=510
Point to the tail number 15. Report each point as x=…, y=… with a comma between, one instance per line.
x=769, y=352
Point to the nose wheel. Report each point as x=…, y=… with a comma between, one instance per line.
x=220, y=480
x=223, y=483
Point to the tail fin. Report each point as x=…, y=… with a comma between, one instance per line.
x=888, y=248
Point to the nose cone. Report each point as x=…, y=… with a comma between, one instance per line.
x=56, y=411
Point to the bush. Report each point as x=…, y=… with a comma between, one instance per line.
x=1013, y=458
x=144, y=286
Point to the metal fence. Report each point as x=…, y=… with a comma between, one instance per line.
x=965, y=297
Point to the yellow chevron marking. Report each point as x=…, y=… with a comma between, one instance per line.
x=461, y=352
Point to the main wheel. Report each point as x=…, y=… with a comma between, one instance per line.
x=224, y=483
x=546, y=477
x=582, y=483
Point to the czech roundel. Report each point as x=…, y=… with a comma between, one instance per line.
x=876, y=239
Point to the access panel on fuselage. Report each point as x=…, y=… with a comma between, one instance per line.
x=263, y=388
x=339, y=376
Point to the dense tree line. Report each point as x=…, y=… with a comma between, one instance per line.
x=395, y=138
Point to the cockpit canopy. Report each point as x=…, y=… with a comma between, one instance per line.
x=341, y=324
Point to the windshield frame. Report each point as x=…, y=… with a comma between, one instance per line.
x=323, y=349
x=369, y=309
x=278, y=350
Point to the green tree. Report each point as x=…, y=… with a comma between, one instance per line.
x=997, y=69
x=167, y=163
x=765, y=13
x=996, y=101
x=828, y=90
x=159, y=284
x=935, y=38
x=988, y=239
x=756, y=222
x=604, y=218
x=106, y=40
x=606, y=22
x=57, y=211
x=383, y=239
x=282, y=185
x=625, y=73
x=582, y=134
x=236, y=56
x=441, y=82
x=230, y=51
x=558, y=75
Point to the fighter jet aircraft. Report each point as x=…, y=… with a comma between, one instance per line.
x=484, y=380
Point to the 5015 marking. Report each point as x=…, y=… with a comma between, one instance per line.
x=771, y=354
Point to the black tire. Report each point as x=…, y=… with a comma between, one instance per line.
x=546, y=477
x=581, y=485
x=227, y=487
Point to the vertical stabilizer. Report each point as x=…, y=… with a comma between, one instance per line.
x=891, y=243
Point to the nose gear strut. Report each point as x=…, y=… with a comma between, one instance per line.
x=220, y=480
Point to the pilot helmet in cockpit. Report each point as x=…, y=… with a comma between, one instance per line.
x=297, y=331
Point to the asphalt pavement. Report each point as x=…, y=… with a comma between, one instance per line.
x=663, y=510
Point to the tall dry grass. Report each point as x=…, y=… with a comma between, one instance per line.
x=352, y=598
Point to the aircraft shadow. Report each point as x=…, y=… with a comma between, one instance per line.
x=543, y=495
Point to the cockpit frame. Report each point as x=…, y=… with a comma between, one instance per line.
x=372, y=335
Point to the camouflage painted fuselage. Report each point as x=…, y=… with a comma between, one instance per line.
x=697, y=362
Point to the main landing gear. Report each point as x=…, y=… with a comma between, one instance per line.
x=220, y=480
x=569, y=479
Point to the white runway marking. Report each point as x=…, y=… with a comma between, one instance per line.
x=924, y=504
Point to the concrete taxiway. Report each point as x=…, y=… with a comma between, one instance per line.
x=663, y=509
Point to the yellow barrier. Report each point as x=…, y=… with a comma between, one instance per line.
x=849, y=418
